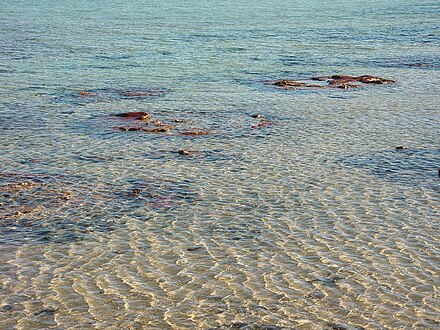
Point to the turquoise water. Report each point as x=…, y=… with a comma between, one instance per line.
x=314, y=222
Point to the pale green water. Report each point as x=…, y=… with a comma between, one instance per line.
x=315, y=222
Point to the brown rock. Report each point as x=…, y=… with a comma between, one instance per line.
x=160, y=129
x=139, y=115
x=374, y=80
x=341, y=81
x=159, y=123
x=87, y=93
x=293, y=84
x=288, y=83
x=264, y=124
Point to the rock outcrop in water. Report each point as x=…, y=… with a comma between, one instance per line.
x=334, y=81
x=138, y=115
x=341, y=79
x=153, y=125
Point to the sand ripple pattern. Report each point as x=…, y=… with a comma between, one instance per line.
x=310, y=219
x=304, y=256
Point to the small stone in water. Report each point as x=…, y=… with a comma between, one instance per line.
x=130, y=129
x=270, y=327
x=194, y=248
x=176, y=120
x=135, y=192
x=7, y=308
x=241, y=326
x=87, y=93
x=48, y=310
x=189, y=153
x=66, y=195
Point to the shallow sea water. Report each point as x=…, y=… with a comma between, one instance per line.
x=315, y=222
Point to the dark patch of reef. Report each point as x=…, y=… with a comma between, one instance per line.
x=334, y=81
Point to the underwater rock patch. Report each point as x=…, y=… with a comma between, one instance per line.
x=44, y=207
x=398, y=164
x=334, y=81
x=161, y=129
x=337, y=326
x=157, y=194
x=138, y=115
x=109, y=94
x=245, y=326
x=341, y=79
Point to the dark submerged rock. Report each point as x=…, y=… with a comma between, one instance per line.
x=7, y=308
x=337, y=326
x=130, y=128
x=46, y=311
x=184, y=152
x=161, y=129
x=137, y=94
x=177, y=120
x=191, y=153
x=195, y=133
x=330, y=281
x=142, y=93
x=269, y=327
x=194, y=248
x=245, y=326
x=114, y=94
